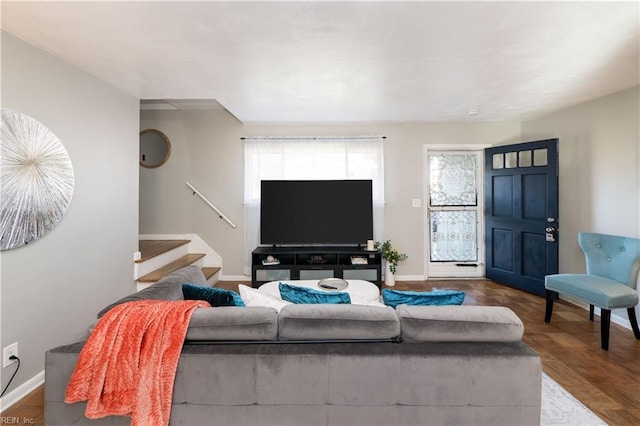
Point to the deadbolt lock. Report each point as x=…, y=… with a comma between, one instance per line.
x=550, y=234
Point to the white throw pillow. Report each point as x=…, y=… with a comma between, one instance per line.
x=252, y=297
x=358, y=300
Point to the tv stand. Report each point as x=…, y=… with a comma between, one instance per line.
x=271, y=263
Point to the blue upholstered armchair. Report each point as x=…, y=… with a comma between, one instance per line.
x=613, y=263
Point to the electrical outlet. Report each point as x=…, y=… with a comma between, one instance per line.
x=7, y=352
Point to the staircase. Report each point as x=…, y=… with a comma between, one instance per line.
x=160, y=255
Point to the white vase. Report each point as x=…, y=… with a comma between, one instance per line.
x=389, y=277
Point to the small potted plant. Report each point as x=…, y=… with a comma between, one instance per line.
x=392, y=256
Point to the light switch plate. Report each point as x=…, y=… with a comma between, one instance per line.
x=416, y=202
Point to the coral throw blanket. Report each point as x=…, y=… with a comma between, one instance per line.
x=128, y=365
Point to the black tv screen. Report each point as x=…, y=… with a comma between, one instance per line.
x=313, y=212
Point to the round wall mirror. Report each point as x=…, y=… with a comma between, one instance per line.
x=155, y=148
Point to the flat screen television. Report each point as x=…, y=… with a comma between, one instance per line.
x=315, y=212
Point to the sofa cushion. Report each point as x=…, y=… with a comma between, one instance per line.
x=394, y=298
x=459, y=324
x=337, y=322
x=233, y=323
x=168, y=288
x=215, y=296
x=305, y=295
x=253, y=297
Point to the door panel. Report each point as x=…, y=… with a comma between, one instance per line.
x=521, y=201
x=534, y=188
x=502, y=200
x=502, y=249
x=533, y=249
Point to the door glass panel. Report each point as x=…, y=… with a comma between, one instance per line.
x=511, y=160
x=454, y=236
x=524, y=158
x=498, y=161
x=452, y=180
x=540, y=157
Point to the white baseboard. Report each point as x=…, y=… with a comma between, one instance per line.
x=621, y=321
x=616, y=319
x=423, y=278
x=21, y=391
x=409, y=278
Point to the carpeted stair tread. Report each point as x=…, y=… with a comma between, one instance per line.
x=152, y=248
x=180, y=263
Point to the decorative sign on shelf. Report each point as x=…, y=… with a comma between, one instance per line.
x=359, y=260
x=270, y=260
x=36, y=182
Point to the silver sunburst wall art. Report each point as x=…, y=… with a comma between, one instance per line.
x=36, y=179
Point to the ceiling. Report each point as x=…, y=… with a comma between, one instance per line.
x=358, y=61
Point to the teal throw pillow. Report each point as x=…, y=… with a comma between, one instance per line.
x=296, y=294
x=215, y=296
x=436, y=297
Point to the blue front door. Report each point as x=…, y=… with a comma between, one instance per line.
x=521, y=214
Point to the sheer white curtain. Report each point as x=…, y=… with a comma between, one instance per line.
x=313, y=158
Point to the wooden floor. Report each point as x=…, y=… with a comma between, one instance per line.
x=606, y=382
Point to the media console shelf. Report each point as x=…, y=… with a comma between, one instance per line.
x=315, y=263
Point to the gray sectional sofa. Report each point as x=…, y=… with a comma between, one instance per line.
x=335, y=365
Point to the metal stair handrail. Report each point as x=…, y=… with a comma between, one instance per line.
x=220, y=214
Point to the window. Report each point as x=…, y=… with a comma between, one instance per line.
x=313, y=158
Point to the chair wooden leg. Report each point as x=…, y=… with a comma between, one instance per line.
x=605, y=319
x=551, y=296
x=634, y=322
x=591, y=312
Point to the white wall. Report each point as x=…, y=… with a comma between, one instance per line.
x=52, y=288
x=210, y=154
x=599, y=151
x=206, y=151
